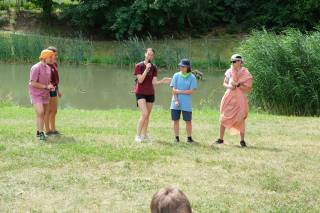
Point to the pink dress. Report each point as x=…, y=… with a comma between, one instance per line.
x=234, y=106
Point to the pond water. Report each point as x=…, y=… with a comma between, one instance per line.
x=103, y=87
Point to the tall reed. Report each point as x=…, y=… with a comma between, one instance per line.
x=286, y=71
x=26, y=48
x=168, y=53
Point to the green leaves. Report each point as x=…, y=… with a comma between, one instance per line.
x=285, y=69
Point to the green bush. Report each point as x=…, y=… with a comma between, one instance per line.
x=4, y=18
x=123, y=19
x=286, y=71
x=29, y=6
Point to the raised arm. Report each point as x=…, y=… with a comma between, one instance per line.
x=142, y=76
x=227, y=85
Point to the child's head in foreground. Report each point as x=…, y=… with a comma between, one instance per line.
x=170, y=200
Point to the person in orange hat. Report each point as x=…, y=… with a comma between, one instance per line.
x=39, y=88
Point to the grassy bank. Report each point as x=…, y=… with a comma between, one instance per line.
x=26, y=48
x=204, y=53
x=95, y=166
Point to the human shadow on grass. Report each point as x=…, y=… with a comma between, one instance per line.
x=259, y=148
x=215, y=147
x=185, y=144
x=60, y=139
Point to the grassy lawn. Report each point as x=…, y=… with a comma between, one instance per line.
x=95, y=166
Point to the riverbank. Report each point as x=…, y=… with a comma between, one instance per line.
x=205, y=53
x=96, y=166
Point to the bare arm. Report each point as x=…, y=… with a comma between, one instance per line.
x=175, y=97
x=142, y=76
x=186, y=92
x=41, y=86
x=245, y=88
x=227, y=85
x=165, y=80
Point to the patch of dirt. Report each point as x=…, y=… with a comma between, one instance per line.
x=33, y=22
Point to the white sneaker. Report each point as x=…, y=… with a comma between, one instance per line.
x=138, y=139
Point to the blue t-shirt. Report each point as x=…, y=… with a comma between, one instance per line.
x=181, y=83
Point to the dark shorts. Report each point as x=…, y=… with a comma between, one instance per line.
x=54, y=93
x=175, y=115
x=148, y=98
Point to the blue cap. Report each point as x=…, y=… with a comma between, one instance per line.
x=185, y=63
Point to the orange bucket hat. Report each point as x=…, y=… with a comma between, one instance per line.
x=46, y=54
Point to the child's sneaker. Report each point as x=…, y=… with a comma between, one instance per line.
x=56, y=133
x=177, y=139
x=138, y=139
x=42, y=136
x=190, y=140
x=243, y=144
x=49, y=133
x=218, y=141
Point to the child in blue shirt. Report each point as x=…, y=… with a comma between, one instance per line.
x=183, y=85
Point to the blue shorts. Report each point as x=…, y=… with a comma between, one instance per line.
x=175, y=115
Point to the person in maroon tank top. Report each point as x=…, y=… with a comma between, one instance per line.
x=146, y=74
x=50, y=116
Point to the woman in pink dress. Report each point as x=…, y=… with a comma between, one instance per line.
x=234, y=104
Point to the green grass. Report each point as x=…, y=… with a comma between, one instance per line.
x=95, y=166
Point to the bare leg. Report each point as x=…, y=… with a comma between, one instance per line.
x=242, y=136
x=176, y=127
x=144, y=115
x=146, y=123
x=242, y=133
x=40, y=110
x=47, y=118
x=222, y=130
x=189, y=128
x=53, y=112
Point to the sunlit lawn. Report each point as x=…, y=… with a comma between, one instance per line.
x=97, y=167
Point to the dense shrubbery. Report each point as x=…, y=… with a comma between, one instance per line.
x=286, y=70
x=123, y=19
x=126, y=18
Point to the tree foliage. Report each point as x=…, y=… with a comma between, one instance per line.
x=126, y=18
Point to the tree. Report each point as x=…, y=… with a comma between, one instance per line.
x=46, y=5
x=126, y=18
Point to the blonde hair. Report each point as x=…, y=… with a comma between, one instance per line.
x=170, y=200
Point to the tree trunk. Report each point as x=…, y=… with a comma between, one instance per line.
x=47, y=8
x=18, y=4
